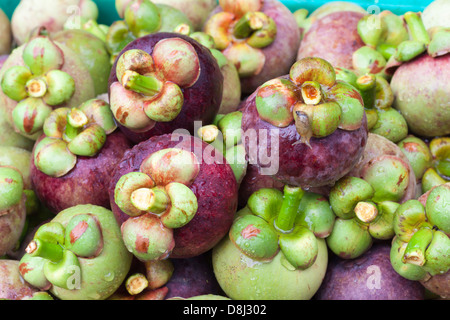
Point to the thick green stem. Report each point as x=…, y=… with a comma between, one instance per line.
x=367, y=87
x=311, y=92
x=249, y=23
x=415, y=250
x=46, y=250
x=416, y=27
x=288, y=211
x=36, y=88
x=136, y=82
x=153, y=200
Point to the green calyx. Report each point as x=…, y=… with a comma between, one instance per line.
x=159, y=195
x=39, y=85
x=421, y=233
x=439, y=170
x=59, y=249
x=288, y=221
x=11, y=187
x=142, y=17
x=418, y=154
x=240, y=37
x=313, y=99
x=151, y=86
x=361, y=217
x=73, y=132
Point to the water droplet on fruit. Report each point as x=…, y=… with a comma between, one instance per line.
x=109, y=276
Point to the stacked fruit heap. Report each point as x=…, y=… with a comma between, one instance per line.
x=224, y=150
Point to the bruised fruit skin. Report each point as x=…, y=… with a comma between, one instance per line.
x=11, y=282
x=266, y=60
x=201, y=97
x=78, y=255
x=212, y=183
x=334, y=38
x=305, y=145
x=73, y=160
x=369, y=277
x=32, y=88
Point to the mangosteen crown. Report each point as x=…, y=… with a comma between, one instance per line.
x=73, y=132
x=275, y=221
x=158, y=199
x=422, y=233
x=440, y=168
x=61, y=247
x=311, y=98
x=149, y=87
x=37, y=86
x=240, y=31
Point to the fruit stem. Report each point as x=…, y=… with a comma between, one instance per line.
x=415, y=250
x=46, y=250
x=416, y=27
x=366, y=85
x=153, y=200
x=249, y=23
x=288, y=211
x=311, y=92
x=366, y=211
x=36, y=88
x=147, y=85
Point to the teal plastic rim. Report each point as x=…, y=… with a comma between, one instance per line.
x=108, y=13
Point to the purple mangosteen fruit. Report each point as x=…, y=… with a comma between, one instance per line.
x=261, y=38
x=5, y=32
x=30, y=15
x=162, y=82
x=420, y=250
x=174, y=196
x=78, y=255
x=73, y=160
x=275, y=249
x=334, y=37
x=369, y=277
x=296, y=128
x=33, y=85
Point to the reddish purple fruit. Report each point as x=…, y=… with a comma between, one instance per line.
x=162, y=82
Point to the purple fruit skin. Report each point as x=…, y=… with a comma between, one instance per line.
x=201, y=101
x=86, y=183
x=329, y=159
x=351, y=279
x=334, y=38
x=215, y=188
x=193, y=277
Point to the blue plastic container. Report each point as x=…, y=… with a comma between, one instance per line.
x=108, y=14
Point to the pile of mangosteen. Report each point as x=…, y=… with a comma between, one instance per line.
x=224, y=150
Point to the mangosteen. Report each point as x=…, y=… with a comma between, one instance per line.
x=162, y=82
x=425, y=56
x=436, y=13
x=12, y=208
x=73, y=160
x=421, y=248
x=334, y=37
x=5, y=32
x=196, y=10
x=11, y=282
x=261, y=38
x=369, y=277
x=33, y=86
x=275, y=249
x=52, y=14
x=140, y=18
x=92, y=51
x=438, y=171
x=296, y=128
x=174, y=196
x=78, y=255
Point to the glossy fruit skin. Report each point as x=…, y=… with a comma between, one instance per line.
x=333, y=37
x=356, y=279
x=86, y=183
x=215, y=188
x=201, y=101
x=321, y=165
x=425, y=103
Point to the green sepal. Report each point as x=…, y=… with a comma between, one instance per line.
x=60, y=273
x=11, y=187
x=83, y=236
x=265, y=203
x=52, y=157
x=438, y=207
x=30, y=114
x=13, y=82
x=42, y=55
x=300, y=247
x=89, y=142
x=60, y=87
